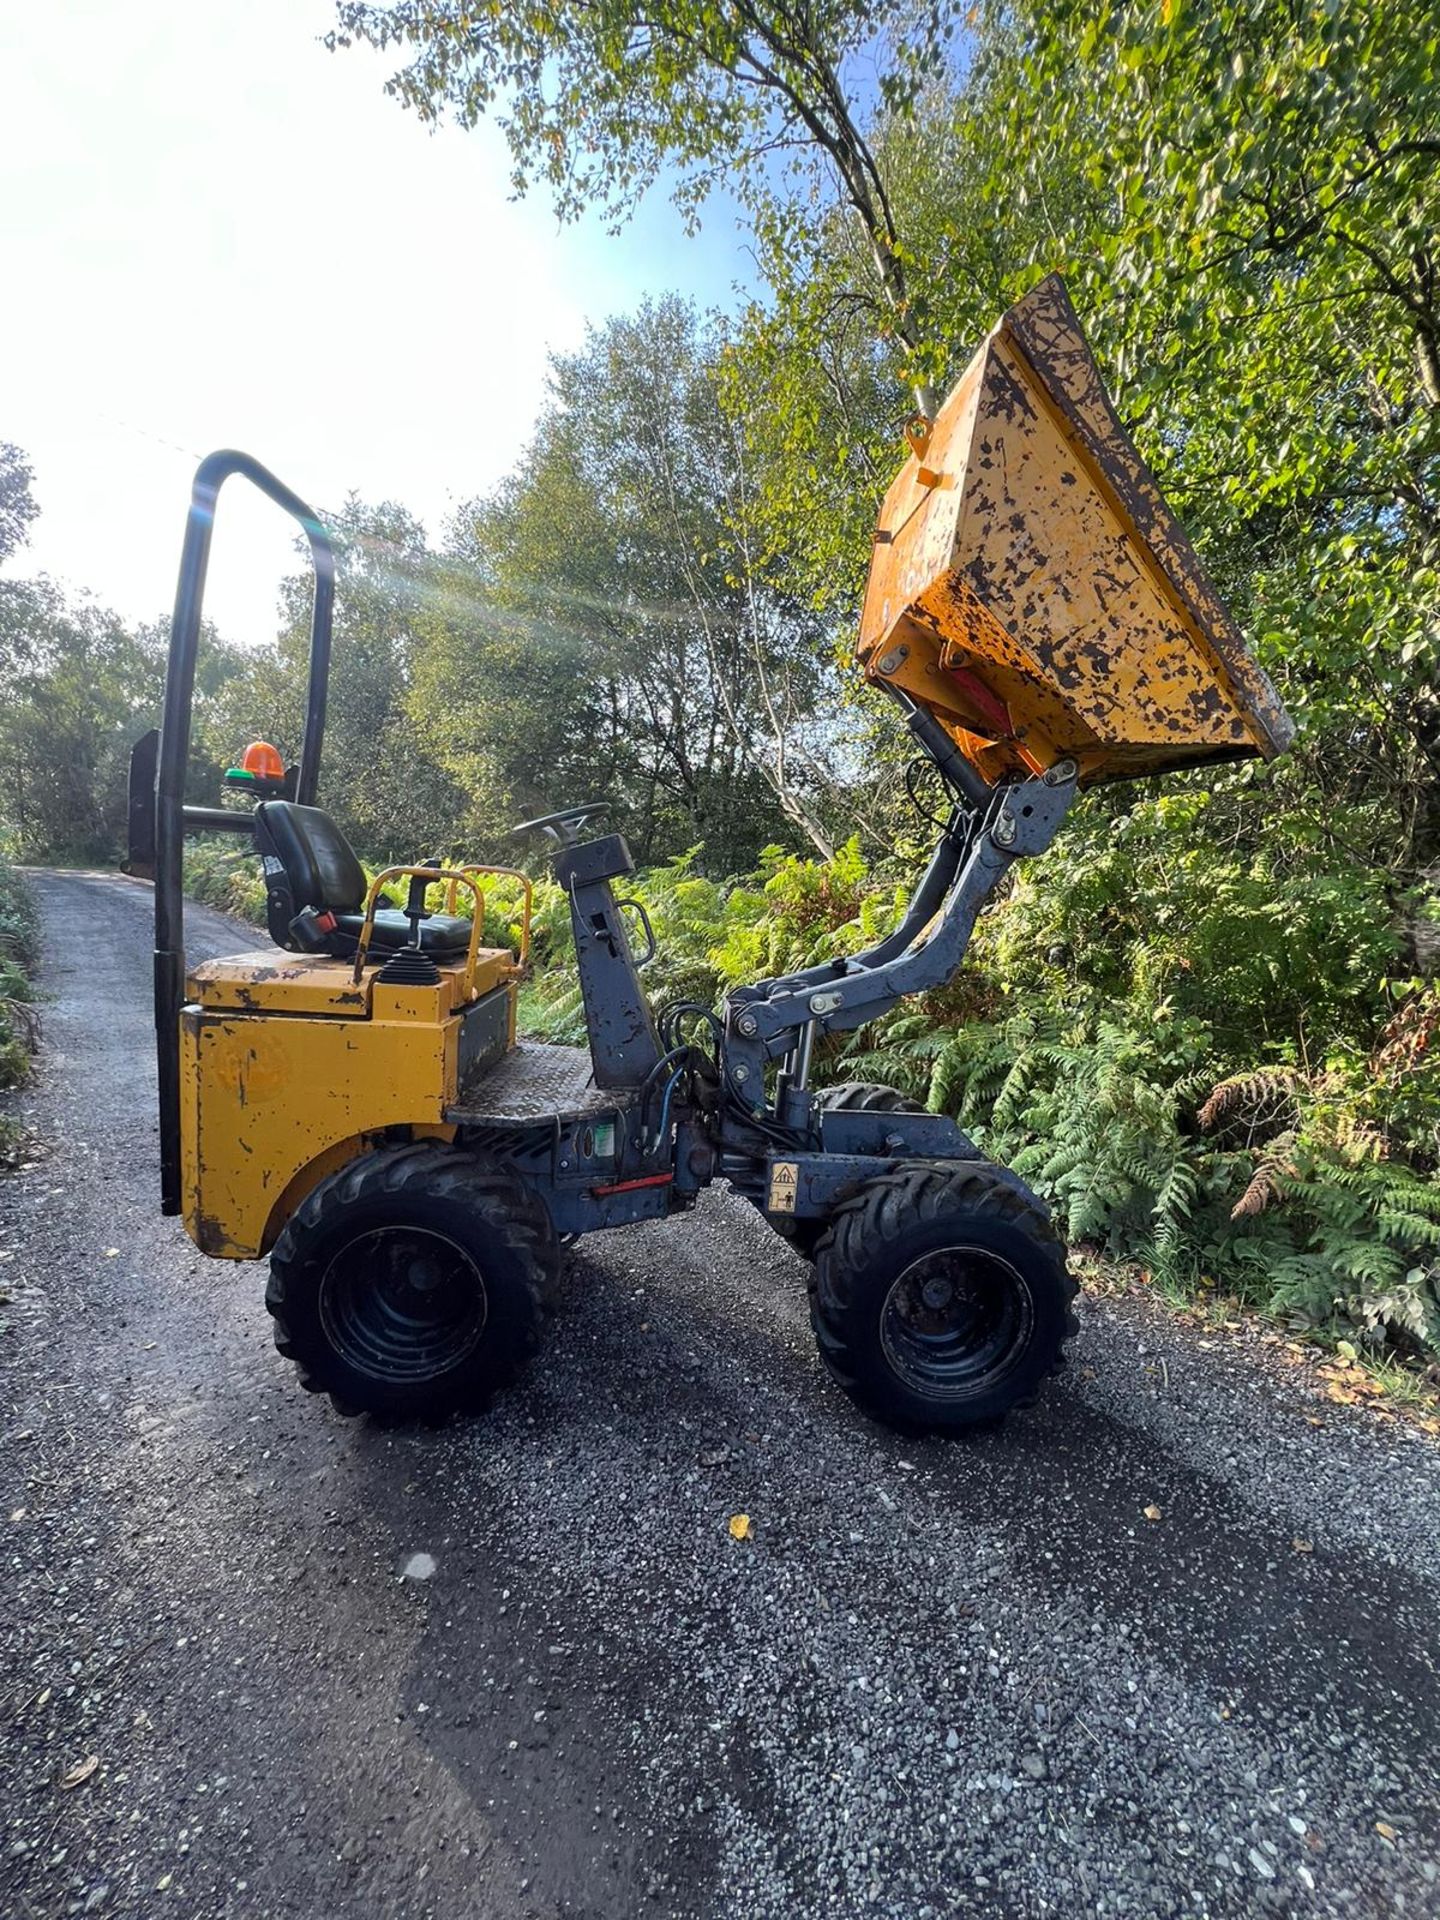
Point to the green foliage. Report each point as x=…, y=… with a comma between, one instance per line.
x=624, y=640
x=1089, y=1115
x=596, y=100
x=714, y=936
x=1193, y=896
x=17, y=503
x=19, y=953
x=1255, y=251
x=1351, y=1238
x=219, y=873
x=78, y=689
x=1295, y=1203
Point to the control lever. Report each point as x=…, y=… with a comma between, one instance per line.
x=415, y=907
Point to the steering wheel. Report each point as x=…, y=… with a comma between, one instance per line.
x=565, y=826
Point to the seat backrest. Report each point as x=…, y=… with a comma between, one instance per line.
x=308, y=862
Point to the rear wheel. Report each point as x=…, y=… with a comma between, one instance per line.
x=411, y=1282
x=940, y=1298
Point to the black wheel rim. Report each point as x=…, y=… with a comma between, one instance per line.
x=955, y=1322
x=402, y=1304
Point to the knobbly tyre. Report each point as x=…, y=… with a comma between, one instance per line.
x=353, y=1100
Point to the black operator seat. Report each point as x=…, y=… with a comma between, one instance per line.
x=309, y=863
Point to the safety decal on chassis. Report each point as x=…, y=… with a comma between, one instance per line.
x=784, y=1178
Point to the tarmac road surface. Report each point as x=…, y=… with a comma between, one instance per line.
x=937, y=1679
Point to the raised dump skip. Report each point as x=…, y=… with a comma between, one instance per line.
x=1032, y=590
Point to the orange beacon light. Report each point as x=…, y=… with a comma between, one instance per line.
x=261, y=769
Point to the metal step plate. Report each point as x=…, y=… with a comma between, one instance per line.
x=535, y=1082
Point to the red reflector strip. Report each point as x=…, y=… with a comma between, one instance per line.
x=629, y=1186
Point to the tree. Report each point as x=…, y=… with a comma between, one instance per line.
x=625, y=635
x=377, y=776
x=78, y=689
x=1259, y=255
x=17, y=503
x=596, y=99
x=810, y=369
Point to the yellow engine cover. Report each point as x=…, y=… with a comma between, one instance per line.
x=288, y=1069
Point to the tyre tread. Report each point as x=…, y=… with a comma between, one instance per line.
x=493, y=1192
x=871, y=1220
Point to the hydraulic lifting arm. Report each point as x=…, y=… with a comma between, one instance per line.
x=928, y=947
x=1044, y=623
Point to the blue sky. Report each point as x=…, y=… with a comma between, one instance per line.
x=215, y=233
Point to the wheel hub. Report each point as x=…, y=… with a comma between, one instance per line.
x=402, y=1303
x=954, y=1321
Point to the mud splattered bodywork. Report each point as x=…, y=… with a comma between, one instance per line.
x=1031, y=589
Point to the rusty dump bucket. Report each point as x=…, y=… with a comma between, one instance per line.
x=1033, y=591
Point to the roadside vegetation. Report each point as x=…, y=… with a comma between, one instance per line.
x=1205, y=1024
x=19, y=1020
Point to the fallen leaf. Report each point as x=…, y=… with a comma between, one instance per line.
x=1302, y=1546
x=111, y=1252
x=1151, y=1513
x=1342, y=1396
x=18, y=1514
x=1385, y=1830
x=80, y=1772
x=1314, y=1420
x=739, y=1526
x=1346, y=1350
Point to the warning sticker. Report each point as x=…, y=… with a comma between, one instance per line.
x=784, y=1179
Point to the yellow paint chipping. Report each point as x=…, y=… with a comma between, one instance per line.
x=287, y=1071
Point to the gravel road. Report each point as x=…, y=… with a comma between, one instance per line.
x=520, y=1668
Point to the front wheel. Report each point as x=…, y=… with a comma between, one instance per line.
x=940, y=1297
x=411, y=1282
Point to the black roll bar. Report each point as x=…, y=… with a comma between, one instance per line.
x=172, y=817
